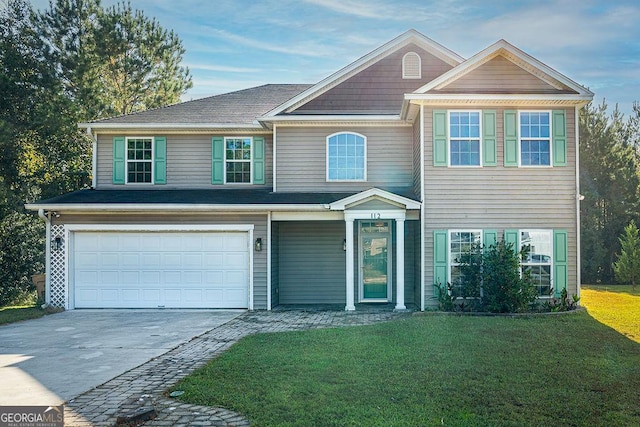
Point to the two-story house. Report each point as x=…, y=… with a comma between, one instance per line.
x=363, y=188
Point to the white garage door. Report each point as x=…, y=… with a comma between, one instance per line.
x=160, y=269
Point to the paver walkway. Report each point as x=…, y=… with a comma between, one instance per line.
x=144, y=386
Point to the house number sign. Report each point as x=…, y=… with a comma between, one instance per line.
x=375, y=215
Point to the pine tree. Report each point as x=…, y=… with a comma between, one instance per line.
x=627, y=268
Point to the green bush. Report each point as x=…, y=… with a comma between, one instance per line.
x=21, y=255
x=491, y=282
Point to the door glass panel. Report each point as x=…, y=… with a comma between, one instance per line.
x=374, y=267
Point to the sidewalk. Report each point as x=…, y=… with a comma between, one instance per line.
x=144, y=386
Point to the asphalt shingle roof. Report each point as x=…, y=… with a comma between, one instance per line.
x=240, y=107
x=199, y=196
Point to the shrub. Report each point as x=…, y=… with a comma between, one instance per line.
x=504, y=289
x=491, y=281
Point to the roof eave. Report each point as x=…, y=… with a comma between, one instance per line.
x=169, y=126
x=498, y=99
x=172, y=207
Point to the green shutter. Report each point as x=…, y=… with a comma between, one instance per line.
x=490, y=237
x=440, y=143
x=119, y=159
x=560, y=261
x=217, y=160
x=511, y=236
x=559, y=125
x=440, y=263
x=160, y=160
x=258, y=160
x=489, y=150
x=510, y=138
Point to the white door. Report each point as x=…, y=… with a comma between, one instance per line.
x=160, y=269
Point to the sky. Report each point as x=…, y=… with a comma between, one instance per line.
x=237, y=44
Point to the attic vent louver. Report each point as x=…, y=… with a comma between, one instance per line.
x=411, y=66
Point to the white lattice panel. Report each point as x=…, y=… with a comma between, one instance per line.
x=57, y=295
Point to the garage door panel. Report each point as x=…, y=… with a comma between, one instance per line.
x=166, y=269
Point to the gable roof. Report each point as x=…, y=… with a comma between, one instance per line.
x=411, y=36
x=567, y=89
x=233, y=109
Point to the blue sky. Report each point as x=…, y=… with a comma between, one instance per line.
x=235, y=44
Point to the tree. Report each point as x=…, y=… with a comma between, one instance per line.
x=113, y=61
x=609, y=182
x=21, y=242
x=71, y=63
x=627, y=267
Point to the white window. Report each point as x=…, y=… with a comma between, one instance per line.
x=460, y=242
x=139, y=160
x=411, y=66
x=346, y=157
x=464, y=138
x=535, y=138
x=238, y=156
x=539, y=261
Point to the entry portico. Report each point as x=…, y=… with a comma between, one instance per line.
x=374, y=211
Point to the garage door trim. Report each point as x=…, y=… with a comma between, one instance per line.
x=72, y=228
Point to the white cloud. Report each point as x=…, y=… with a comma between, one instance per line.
x=395, y=11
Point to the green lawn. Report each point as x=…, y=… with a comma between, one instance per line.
x=430, y=370
x=616, y=306
x=17, y=313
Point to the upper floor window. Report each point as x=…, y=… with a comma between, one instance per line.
x=139, y=160
x=539, y=261
x=411, y=66
x=238, y=160
x=535, y=138
x=346, y=157
x=464, y=138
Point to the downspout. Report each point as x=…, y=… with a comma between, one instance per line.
x=94, y=157
x=47, y=262
x=269, y=260
x=578, y=199
x=422, y=225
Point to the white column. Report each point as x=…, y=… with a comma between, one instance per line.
x=349, y=254
x=400, y=264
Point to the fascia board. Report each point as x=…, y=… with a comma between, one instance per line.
x=332, y=117
x=334, y=79
x=478, y=98
x=169, y=207
x=167, y=126
x=374, y=192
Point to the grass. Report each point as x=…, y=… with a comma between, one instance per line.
x=616, y=306
x=18, y=313
x=430, y=370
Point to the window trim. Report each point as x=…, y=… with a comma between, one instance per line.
x=250, y=161
x=480, y=137
x=152, y=160
x=551, y=256
x=450, y=241
x=519, y=144
x=326, y=145
x=404, y=70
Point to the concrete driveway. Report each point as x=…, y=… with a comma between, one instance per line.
x=50, y=360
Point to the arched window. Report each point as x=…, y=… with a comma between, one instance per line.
x=346, y=157
x=411, y=66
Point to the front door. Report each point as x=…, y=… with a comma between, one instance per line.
x=375, y=261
